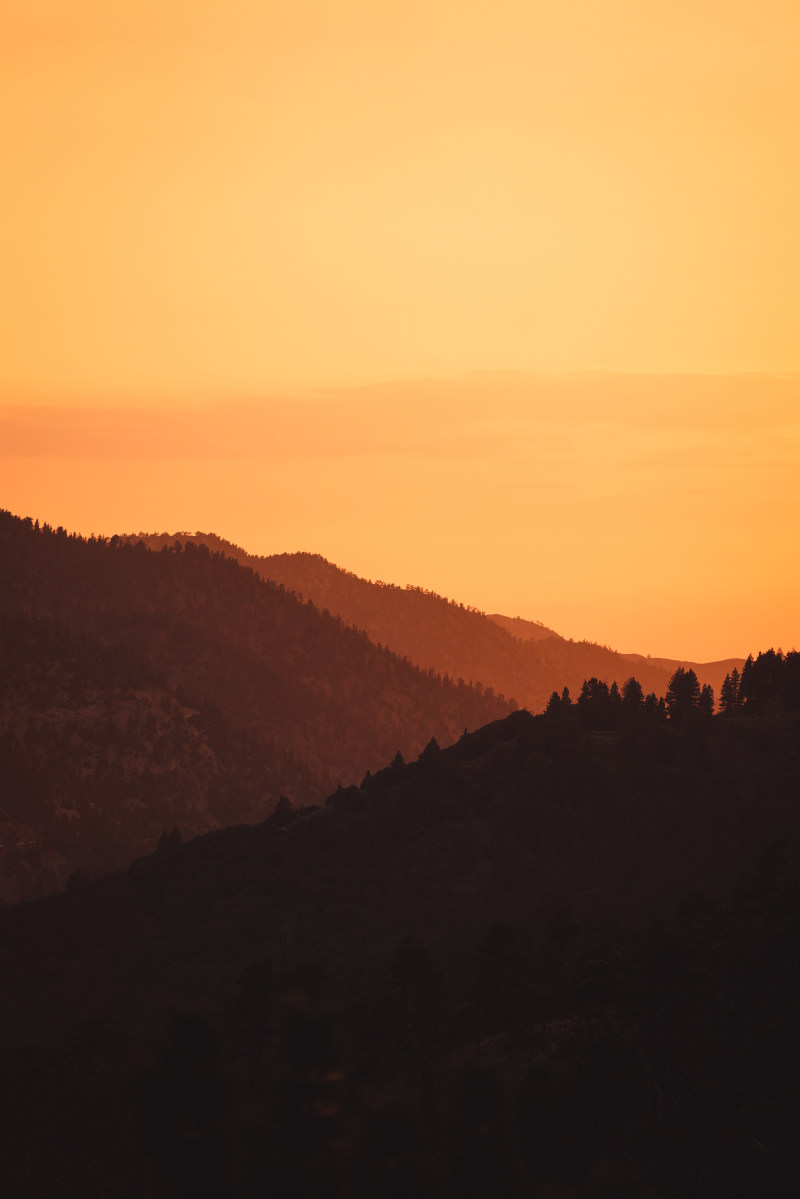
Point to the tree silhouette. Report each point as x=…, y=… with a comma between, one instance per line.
x=632, y=695
x=594, y=705
x=683, y=695
x=729, y=702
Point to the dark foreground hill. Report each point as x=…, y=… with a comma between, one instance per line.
x=144, y=691
x=519, y=658
x=544, y=960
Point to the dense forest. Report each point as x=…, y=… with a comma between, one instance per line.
x=144, y=691
x=519, y=658
x=553, y=955
x=559, y=957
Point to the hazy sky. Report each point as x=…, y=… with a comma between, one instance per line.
x=227, y=229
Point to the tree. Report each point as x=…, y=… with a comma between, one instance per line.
x=729, y=702
x=594, y=707
x=705, y=704
x=683, y=695
x=632, y=695
x=762, y=681
x=431, y=751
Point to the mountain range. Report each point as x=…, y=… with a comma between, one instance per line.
x=144, y=691
x=525, y=954
x=517, y=657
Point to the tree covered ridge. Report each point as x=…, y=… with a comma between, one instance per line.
x=144, y=690
x=768, y=683
x=545, y=957
x=449, y=637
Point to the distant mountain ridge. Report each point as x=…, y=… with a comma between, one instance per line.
x=516, y=657
x=525, y=630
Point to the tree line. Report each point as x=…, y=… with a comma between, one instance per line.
x=769, y=683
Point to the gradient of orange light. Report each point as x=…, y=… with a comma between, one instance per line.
x=211, y=202
x=207, y=198
x=617, y=508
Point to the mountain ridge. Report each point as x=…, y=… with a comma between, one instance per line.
x=144, y=691
x=519, y=658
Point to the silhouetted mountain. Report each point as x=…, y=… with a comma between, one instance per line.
x=711, y=673
x=516, y=657
x=144, y=691
x=543, y=960
x=524, y=630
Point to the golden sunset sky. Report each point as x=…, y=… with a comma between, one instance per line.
x=496, y=298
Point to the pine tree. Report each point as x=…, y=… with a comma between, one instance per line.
x=683, y=694
x=729, y=701
x=632, y=694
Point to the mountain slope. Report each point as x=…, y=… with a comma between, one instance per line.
x=518, y=658
x=141, y=691
x=525, y=815
x=712, y=673
x=524, y=630
x=470, y=974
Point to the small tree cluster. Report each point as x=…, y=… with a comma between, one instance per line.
x=600, y=706
x=772, y=680
x=685, y=697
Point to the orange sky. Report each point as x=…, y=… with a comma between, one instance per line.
x=227, y=228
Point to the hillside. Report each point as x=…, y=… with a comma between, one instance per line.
x=144, y=691
x=524, y=630
x=539, y=958
x=518, y=658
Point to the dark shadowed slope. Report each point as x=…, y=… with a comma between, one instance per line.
x=470, y=974
x=524, y=816
x=518, y=658
x=141, y=691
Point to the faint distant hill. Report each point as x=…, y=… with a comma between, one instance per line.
x=707, y=672
x=516, y=657
x=144, y=691
x=525, y=630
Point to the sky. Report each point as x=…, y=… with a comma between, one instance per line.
x=498, y=299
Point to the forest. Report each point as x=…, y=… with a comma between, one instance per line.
x=306, y=919
x=551, y=958
x=144, y=691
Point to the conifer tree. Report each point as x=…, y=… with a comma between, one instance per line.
x=683, y=694
x=729, y=693
x=632, y=694
x=705, y=704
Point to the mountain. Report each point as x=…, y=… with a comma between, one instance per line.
x=712, y=673
x=523, y=630
x=542, y=960
x=144, y=691
x=516, y=657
